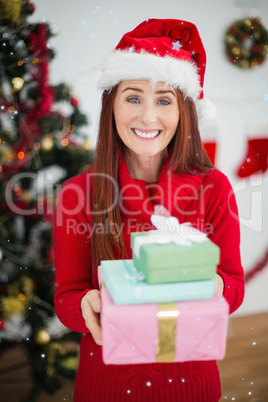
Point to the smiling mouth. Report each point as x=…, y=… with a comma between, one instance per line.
x=146, y=135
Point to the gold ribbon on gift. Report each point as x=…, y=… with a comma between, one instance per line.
x=167, y=322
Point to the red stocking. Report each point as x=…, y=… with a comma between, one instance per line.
x=256, y=158
x=210, y=147
x=209, y=135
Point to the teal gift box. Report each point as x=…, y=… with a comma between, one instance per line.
x=171, y=262
x=127, y=286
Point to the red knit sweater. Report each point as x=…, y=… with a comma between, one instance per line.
x=205, y=201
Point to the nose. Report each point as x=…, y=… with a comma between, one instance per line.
x=147, y=113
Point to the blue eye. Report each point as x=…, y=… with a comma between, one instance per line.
x=164, y=102
x=133, y=100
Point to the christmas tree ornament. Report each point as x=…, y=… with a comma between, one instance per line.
x=74, y=102
x=69, y=363
x=246, y=43
x=12, y=305
x=30, y=7
x=35, y=60
x=256, y=157
x=17, y=83
x=10, y=11
x=42, y=337
x=2, y=324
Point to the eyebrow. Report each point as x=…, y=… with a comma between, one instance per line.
x=163, y=92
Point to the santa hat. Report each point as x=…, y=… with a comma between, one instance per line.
x=166, y=50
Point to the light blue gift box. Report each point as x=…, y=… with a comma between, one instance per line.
x=126, y=285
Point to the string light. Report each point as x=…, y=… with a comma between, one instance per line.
x=17, y=83
x=20, y=63
x=47, y=143
x=36, y=146
x=87, y=145
x=64, y=142
x=21, y=155
x=71, y=128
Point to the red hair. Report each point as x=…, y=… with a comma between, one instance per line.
x=188, y=155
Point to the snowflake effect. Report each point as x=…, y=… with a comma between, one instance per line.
x=176, y=45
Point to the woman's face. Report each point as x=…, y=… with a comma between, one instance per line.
x=146, y=117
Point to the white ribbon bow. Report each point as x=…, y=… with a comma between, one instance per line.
x=169, y=230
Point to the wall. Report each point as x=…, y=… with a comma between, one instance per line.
x=88, y=30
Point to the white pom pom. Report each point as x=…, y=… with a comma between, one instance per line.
x=206, y=111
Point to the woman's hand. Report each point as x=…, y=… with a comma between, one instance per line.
x=219, y=283
x=91, y=307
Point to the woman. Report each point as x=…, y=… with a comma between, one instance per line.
x=148, y=153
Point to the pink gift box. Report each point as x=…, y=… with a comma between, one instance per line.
x=131, y=332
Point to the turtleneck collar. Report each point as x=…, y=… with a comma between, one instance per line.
x=174, y=191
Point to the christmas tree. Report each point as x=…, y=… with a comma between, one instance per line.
x=40, y=148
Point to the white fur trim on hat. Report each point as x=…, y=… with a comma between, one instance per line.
x=124, y=65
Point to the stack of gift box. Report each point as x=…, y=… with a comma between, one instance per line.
x=162, y=305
